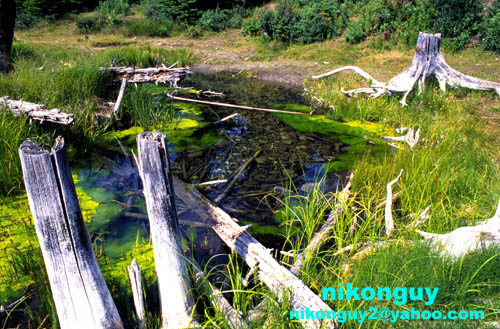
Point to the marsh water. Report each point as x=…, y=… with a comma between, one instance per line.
x=289, y=158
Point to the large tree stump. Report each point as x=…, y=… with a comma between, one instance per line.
x=7, y=22
x=81, y=296
x=428, y=62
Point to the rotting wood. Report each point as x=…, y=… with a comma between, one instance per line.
x=389, y=221
x=35, y=111
x=321, y=237
x=134, y=273
x=243, y=107
x=81, y=297
x=235, y=178
x=269, y=271
x=428, y=62
x=467, y=238
x=116, y=108
x=157, y=75
x=411, y=138
x=176, y=298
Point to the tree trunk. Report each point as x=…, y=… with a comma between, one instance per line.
x=428, y=62
x=81, y=297
x=7, y=22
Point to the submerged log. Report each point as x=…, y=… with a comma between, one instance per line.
x=274, y=275
x=175, y=289
x=36, y=111
x=428, y=62
x=158, y=75
x=81, y=297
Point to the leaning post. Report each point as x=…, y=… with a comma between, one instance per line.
x=81, y=297
x=175, y=289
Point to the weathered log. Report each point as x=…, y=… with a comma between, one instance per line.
x=116, y=108
x=274, y=275
x=158, y=75
x=81, y=296
x=467, y=238
x=134, y=273
x=175, y=289
x=36, y=111
x=7, y=23
x=321, y=237
x=428, y=62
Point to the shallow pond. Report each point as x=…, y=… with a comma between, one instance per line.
x=295, y=151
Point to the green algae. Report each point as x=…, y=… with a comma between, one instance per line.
x=20, y=256
x=184, y=131
x=360, y=137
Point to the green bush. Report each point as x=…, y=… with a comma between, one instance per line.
x=88, y=24
x=214, y=20
x=251, y=27
x=151, y=28
x=111, y=11
x=355, y=33
x=194, y=31
x=491, y=28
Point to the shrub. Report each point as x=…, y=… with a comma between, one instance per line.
x=251, y=27
x=491, y=29
x=151, y=28
x=194, y=31
x=355, y=33
x=213, y=20
x=111, y=11
x=88, y=24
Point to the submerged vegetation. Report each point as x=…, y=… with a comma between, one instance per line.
x=454, y=169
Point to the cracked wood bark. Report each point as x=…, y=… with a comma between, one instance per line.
x=81, y=297
x=274, y=275
x=176, y=298
x=36, y=111
x=7, y=23
x=428, y=62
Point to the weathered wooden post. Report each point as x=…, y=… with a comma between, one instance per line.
x=175, y=289
x=81, y=296
x=134, y=273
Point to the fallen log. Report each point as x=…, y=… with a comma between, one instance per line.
x=157, y=75
x=35, y=111
x=243, y=107
x=81, y=297
x=467, y=238
x=428, y=62
x=270, y=272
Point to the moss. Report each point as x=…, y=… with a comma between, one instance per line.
x=361, y=137
x=182, y=132
x=292, y=107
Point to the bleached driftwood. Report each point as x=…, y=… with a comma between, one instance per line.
x=134, y=273
x=270, y=272
x=116, y=108
x=468, y=238
x=428, y=62
x=389, y=221
x=173, y=280
x=158, y=75
x=81, y=297
x=35, y=111
x=411, y=138
x=321, y=237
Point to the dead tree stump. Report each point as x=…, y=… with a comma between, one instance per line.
x=428, y=62
x=7, y=22
x=173, y=279
x=81, y=296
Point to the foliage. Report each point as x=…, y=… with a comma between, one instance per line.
x=301, y=22
x=354, y=33
x=214, y=20
x=149, y=27
x=111, y=11
x=88, y=24
x=491, y=28
x=250, y=27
